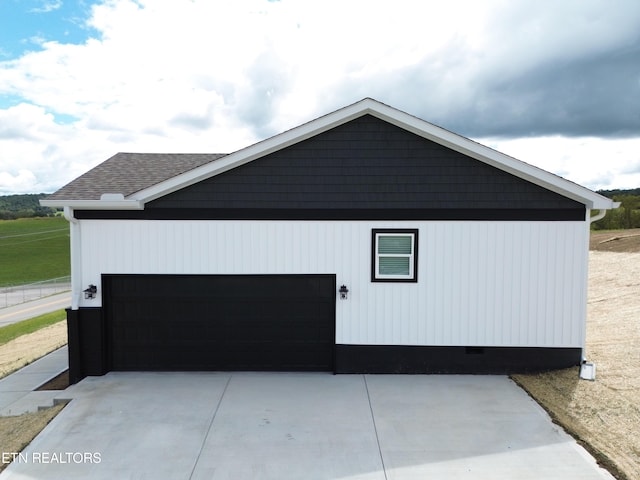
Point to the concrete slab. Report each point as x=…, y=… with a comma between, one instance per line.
x=31, y=402
x=26, y=382
x=17, y=395
x=291, y=426
x=54, y=362
x=127, y=425
x=480, y=427
x=7, y=398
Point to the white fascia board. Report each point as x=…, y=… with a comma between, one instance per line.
x=396, y=117
x=95, y=204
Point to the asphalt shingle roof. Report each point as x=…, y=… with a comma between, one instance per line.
x=128, y=173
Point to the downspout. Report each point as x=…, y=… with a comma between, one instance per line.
x=76, y=258
x=588, y=369
x=597, y=217
x=601, y=213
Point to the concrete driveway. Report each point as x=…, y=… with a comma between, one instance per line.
x=301, y=426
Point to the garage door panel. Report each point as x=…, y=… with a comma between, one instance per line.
x=196, y=322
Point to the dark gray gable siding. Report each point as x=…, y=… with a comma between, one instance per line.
x=364, y=169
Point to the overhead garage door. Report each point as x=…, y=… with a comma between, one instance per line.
x=220, y=322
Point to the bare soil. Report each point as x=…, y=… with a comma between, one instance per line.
x=627, y=241
x=18, y=432
x=60, y=382
x=25, y=349
x=604, y=415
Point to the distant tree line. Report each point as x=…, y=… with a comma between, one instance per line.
x=626, y=216
x=24, y=206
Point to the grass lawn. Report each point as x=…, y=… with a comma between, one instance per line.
x=33, y=249
x=15, y=330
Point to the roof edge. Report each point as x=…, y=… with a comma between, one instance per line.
x=257, y=150
x=366, y=106
x=95, y=204
x=493, y=157
x=369, y=106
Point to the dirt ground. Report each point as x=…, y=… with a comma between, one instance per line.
x=17, y=432
x=604, y=414
x=616, y=241
x=27, y=348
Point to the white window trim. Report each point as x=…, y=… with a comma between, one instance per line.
x=413, y=256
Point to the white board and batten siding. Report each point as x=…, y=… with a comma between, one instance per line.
x=479, y=283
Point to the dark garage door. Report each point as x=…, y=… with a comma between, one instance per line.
x=221, y=322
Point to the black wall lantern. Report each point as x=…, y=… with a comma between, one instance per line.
x=91, y=291
x=343, y=292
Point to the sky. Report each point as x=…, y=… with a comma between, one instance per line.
x=554, y=83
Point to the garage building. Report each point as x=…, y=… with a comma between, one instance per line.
x=366, y=240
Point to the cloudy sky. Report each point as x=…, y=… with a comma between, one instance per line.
x=555, y=83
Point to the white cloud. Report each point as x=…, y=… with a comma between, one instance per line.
x=596, y=163
x=22, y=182
x=38, y=155
x=214, y=76
x=47, y=7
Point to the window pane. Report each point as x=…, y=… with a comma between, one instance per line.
x=394, y=265
x=394, y=244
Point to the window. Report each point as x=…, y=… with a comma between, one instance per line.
x=394, y=255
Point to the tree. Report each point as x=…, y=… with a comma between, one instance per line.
x=626, y=216
x=20, y=206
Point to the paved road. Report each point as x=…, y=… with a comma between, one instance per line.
x=32, y=309
x=15, y=295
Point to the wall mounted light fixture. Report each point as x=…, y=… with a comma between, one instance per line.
x=343, y=292
x=91, y=291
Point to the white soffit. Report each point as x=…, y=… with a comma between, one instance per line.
x=128, y=204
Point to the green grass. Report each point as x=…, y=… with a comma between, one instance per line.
x=33, y=249
x=15, y=330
